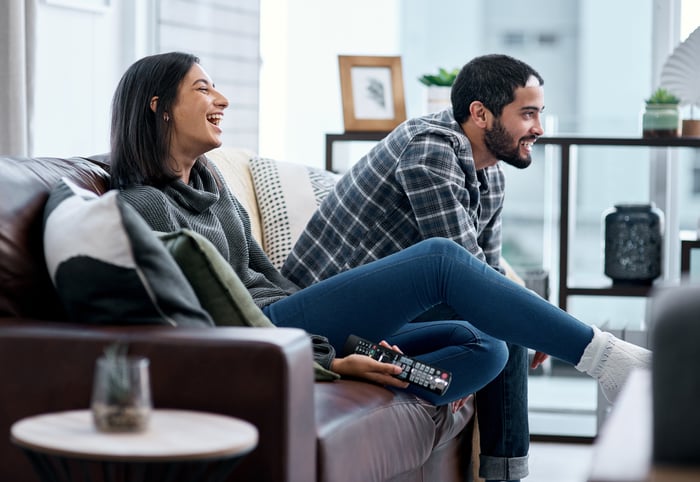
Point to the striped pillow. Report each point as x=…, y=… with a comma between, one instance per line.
x=288, y=195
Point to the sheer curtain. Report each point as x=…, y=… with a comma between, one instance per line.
x=17, y=54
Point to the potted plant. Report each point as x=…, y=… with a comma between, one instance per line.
x=438, y=88
x=661, y=116
x=121, y=398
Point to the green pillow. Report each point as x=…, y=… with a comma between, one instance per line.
x=219, y=290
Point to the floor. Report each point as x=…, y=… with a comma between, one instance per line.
x=559, y=462
x=561, y=405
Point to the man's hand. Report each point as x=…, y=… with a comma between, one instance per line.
x=457, y=404
x=538, y=359
x=362, y=366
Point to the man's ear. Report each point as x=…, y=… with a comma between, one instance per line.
x=154, y=103
x=479, y=113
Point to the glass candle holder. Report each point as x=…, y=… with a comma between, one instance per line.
x=121, y=395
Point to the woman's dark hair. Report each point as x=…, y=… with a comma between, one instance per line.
x=140, y=138
x=492, y=80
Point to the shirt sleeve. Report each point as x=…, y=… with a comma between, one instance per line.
x=438, y=184
x=490, y=242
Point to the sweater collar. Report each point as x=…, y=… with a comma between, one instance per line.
x=199, y=194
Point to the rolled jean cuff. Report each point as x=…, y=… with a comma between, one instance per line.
x=502, y=468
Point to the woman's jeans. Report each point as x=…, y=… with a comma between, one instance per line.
x=381, y=301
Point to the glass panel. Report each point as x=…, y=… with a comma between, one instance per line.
x=610, y=312
x=688, y=188
x=604, y=177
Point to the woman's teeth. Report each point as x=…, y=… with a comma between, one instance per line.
x=215, y=118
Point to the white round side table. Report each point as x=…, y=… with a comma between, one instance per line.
x=178, y=445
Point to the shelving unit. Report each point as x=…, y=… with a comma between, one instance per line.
x=349, y=137
x=566, y=144
x=689, y=242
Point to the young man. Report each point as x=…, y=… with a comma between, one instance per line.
x=440, y=175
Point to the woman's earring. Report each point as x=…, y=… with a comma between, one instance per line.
x=166, y=117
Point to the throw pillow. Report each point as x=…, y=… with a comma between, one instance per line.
x=107, y=265
x=219, y=289
x=288, y=194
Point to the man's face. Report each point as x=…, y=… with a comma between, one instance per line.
x=511, y=135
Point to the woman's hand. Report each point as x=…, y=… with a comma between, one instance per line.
x=362, y=366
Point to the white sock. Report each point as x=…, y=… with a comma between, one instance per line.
x=610, y=360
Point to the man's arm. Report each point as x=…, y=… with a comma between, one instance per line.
x=442, y=191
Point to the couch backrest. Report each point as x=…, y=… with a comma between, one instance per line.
x=25, y=286
x=234, y=166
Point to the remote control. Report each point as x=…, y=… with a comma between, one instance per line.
x=414, y=371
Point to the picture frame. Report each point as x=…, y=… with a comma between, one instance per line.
x=372, y=92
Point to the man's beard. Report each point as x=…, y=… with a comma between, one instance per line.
x=500, y=143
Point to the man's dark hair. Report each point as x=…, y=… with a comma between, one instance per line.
x=492, y=80
x=140, y=138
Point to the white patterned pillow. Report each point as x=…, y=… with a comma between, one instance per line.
x=107, y=265
x=288, y=194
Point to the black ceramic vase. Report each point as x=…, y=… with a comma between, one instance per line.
x=633, y=242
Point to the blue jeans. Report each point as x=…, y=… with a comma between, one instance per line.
x=502, y=411
x=380, y=301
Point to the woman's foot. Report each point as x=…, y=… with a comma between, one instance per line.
x=610, y=360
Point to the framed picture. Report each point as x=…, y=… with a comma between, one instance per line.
x=372, y=90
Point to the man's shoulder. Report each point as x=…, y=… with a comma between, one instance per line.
x=428, y=133
x=439, y=124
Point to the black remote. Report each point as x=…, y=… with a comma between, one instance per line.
x=413, y=371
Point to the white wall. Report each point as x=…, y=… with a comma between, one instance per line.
x=79, y=61
x=81, y=55
x=300, y=84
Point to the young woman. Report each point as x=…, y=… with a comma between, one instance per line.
x=166, y=116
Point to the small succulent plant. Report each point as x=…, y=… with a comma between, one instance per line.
x=118, y=381
x=662, y=96
x=444, y=78
x=121, y=399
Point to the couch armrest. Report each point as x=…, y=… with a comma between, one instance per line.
x=262, y=375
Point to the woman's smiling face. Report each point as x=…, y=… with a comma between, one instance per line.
x=196, y=115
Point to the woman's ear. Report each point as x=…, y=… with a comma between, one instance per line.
x=154, y=103
x=479, y=113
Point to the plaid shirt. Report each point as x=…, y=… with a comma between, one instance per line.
x=417, y=183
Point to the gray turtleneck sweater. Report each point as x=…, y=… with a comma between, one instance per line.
x=206, y=206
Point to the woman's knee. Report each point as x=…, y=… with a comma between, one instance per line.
x=443, y=247
x=499, y=353
x=439, y=244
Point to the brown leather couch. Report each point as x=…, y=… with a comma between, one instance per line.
x=308, y=431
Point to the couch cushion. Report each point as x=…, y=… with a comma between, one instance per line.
x=288, y=194
x=25, y=188
x=366, y=432
x=233, y=165
x=108, y=266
